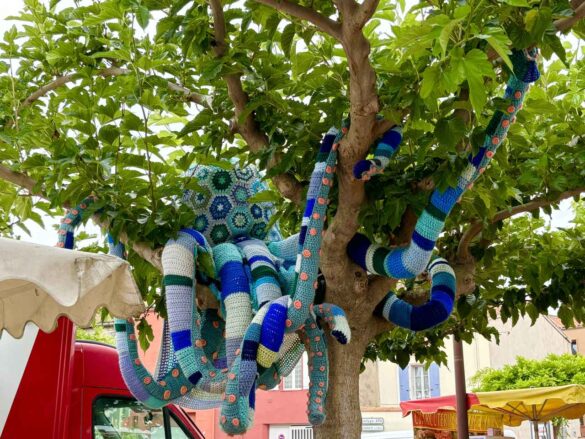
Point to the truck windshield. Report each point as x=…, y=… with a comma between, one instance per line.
x=124, y=418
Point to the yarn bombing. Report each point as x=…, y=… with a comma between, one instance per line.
x=411, y=260
x=266, y=284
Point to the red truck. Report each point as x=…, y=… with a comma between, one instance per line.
x=54, y=387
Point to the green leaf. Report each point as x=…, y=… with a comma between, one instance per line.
x=143, y=16
x=446, y=34
x=431, y=76
x=265, y=196
x=502, y=50
x=286, y=38
x=477, y=67
x=519, y=3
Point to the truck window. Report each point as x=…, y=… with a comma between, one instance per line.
x=125, y=418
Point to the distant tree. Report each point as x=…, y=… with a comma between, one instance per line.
x=554, y=370
x=98, y=333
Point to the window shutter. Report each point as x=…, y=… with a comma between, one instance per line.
x=404, y=384
x=435, y=381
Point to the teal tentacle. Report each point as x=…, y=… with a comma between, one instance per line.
x=307, y=265
x=318, y=372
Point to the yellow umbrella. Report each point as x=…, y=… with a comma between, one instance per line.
x=540, y=404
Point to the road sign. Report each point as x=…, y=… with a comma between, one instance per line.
x=372, y=427
x=372, y=421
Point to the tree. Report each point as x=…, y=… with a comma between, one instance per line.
x=119, y=98
x=554, y=370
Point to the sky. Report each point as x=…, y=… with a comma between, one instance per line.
x=560, y=218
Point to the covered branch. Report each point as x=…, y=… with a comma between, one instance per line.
x=476, y=227
x=286, y=184
x=24, y=181
x=322, y=23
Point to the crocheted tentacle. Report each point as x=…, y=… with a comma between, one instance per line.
x=213, y=329
x=237, y=411
x=287, y=249
x=153, y=393
x=290, y=353
x=170, y=385
x=337, y=320
x=307, y=266
x=408, y=262
x=235, y=294
x=272, y=333
x=195, y=398
x=435, y=311
x=70, y=222
x=178, y=261
x=263, y=269
x=318, y=371
x=385, y=149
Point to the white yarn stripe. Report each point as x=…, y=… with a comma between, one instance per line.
x=239, y=314
x=177, y=260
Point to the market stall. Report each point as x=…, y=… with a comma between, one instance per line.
x=488, y=412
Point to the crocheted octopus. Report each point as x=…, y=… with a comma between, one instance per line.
x=266, y=285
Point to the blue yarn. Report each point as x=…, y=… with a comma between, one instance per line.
x=181, y=339
x=400, y=314
x=273, y=327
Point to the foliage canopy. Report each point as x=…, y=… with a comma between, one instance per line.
x=554, y=370
x=120, y=97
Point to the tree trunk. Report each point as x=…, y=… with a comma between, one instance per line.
x=344, y=419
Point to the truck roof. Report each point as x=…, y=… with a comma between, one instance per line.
x=96, y=365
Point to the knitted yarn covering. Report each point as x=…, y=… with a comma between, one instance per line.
x=416, y=257
x=266, y=284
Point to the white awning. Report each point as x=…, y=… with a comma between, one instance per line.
x=39, y=283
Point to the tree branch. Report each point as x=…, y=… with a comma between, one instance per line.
x=286, y=184
x=322, y=23
x=108, y=72
x=24, y=181
x=365, y=12
x=19, y=179
x=476, y=227
x=564, y=24
x=364, y=107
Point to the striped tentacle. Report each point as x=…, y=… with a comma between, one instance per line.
x=195, y=399
x=290, y=353
x=407, y=262
x=286, y=315
x=262, y=269
x=337, y=320
x=287, y=249
x=307, y=265
x=152, y=392
x=435, y=311
x=235, y=295
x=178, y=261
x=385, y=149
